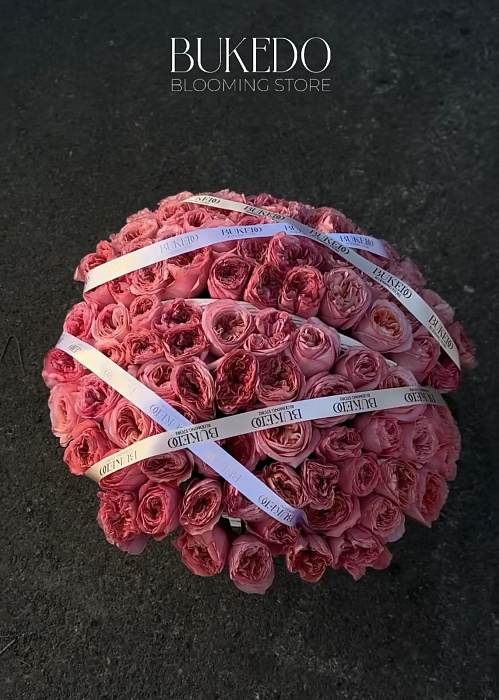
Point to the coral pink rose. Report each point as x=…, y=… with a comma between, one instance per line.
x=251, y=566
x=235, y=382
x=399, y=482
x=358, y=549
x=290, y=252
x=333, y=521
x=442, y=309
x=156, y=374
x=408, y=271
x=360, y=476
x=226, y=324
x=188, y=274
x=60, y=368
x=62, y=410
x=464, y=345
x=381, y=433
x=153, y=279
x=382, y=517
x=273, y=333
x=141, y=310
x=302, y=291
x=175, y=313
x=254, y=249
x=238, y=506
x=329, y=220
x=118, y=518
x=264, y=286
x=126, y=424
x=143, y=346
x=421, y=357
x=89, y=445
x=80, y=319
x=432, y=494
x=201, y=506
x=119, y=290
x=278, y=536
x=444, y=461
x=244, y=449
x=228, y=276
x=112, y=322
x=194, y=386
x=95, y=398
x=285, y=482
x=184, y=342
x=103, y=254
x=346, y=298
x=420, y=441
x=309, y=557
x=364, y=368
x=325, y=384
x=158, y=510
x=127, y=479
x=384, y=328
x=445, y=376
x=280, y=380
x=288, y=443
x=445, y=426
x=169, y=468
x=144, y=227
x=396, y=377
x=204, y=554
x=318, y=481
x=315, y=347
x=339, y=443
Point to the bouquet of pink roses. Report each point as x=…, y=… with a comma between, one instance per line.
x=264, y=379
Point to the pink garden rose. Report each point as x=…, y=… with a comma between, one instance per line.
x=421, y=357
x=382, y=517
x=188, y=274
x=251, y=566
x=254, y=249
x=118, y=519
x=79, y=321
x=399, y=482
x=445, y=376
x=309, y=557
x=174, y=313
x=464, y=345
x=184, y=342
x=60, y=368
x=119, y=291
x=407, y=271
x=420, y=441
x=338, y=444
x=443, y=310
x=158, y=509
x=143, y=346
x=432, y=494
x=364, y=368
x=89, y=444
x=153, y=279
x=315, y=347
x=204, y=554
x=235, y=381
x=95, y=398
x=384, y=328
x=278, y=536
x=112, y=323
x=333, y=521
x=63, y=416
x=319, y=481
x=170, y=468
x=359, y=476
x=226, y=324
x=126, y=424
x=280, y=380
x=142, y=309
x=290, y=444
x=244, y=449
x=156, y=375
x=228, y=277
x=238, y=506
x=194, y=385
x=285, y=482
x=144, y=227
x=290, y=252
x=397, y=376
x=381, y=433
x=103, y=254
x=325, y=384
x=358, y=549
x=302, y=291
x=264, y=286
x=201, y=506
x=445, y=426
x=273, y=333
x=128, y=479
x=346, y=298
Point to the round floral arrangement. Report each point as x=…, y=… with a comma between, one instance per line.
x=226, y=321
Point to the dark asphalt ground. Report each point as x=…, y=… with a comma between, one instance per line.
x=406, y=143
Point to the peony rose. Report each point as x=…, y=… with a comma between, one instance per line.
x=364, y=368
x=407, y=271
x=244, y=449
x=104, y=252
x=420, y=441
x=119, y=290
x=325, y=384
x=126, y=424
x=384, y=328
x=62, y=410
x=175, y=313
x=264, y=286
x=235, y=382
x=329, y=220
x=143, y=227
x=194, y=386
x=188, y=274
x=444, y=424
x=228, y=276
x=185, y=341
x=445, y=376
x=95, y=398
x=204, y=554
x=381, y=433
x=89, y=445
x=143, y=346
x=421, y=357
x=285, y=482
x=128, y=479
x=156, y=374
x=398, y=481
x=80, y=319
x=280, y=380
x=315, y=347
x=382, y=517
x=346, y=298
x=290, y=444
x=357, y=549
x=168, y=468
x=201, y=506
x=302, y=291
x=290, y=252
x=359, y=476
x=118, y=518
x=60, y=368
x=333, y=521
x=443, y=310
x=99, y=296
x=309, y=557
x=396, y=377
x=238, y=506
x=141, y=310
x=112, y=322
x=226, y=324
x=158, y=510
x=153, y=279
x=251, y=567
x=278, y=536
x=464, y=345
x=339, y=443
x=318, y=481
x=432, y=494
x=254, y=249
x=273, y=332
x=444, y=461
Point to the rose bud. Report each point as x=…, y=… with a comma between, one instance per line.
x=464, y=345
x=89, y=444
x=356, y=550
x=399, y=377
x=315, y=347
x=431, y=496
x=95, y=398
x=235, y=381
x=290, y=252
x=264, y=286
x=145, y=227
x=384, y=328
x=80, y=320
x=346, y=298
x=318, y=481
x=243, y=448
x=278, y=536
x=285, y=482
x=186, y=341
x=128, y=479
x=156, y=375
x=290, y=444
x=254, y=249
x=188, y=273
x=226, y=324
x=381, y=433
x=274, y=330
x=302, y=291
x=251, y=567
x=421, y=357
x=158, y=510
x=228, y=276
x=364, y=368
x=420, y=441
x=60, y=368
x=382, y=517
x=119, y=290
x=279, y=380
x=170, y=468
x=359, y=476
x=63, y=415
x=126, y=424
x=103, y=254
x=238, y=506
x=325, y=384
x=333, y=521
x=175, y=313
x=445, y=376
x=398, y=482
x=194, y=385
x=143, y=346
x=339, y=443
x=309, y=557
x=205, y=554
x=442, y=309
x=152, y=279
x=113, y=322
x=201, y=506
x=118, y=519
x=141, y=310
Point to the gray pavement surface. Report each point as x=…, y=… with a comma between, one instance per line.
x=406, y=143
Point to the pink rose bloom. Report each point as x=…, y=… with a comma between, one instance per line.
x=141, y=310
x=238, y=506
x=264, y=286
x=288, y=443
x=204, y=554
x=62, y=411
x=99, y=296
x=201, y=506
x=396, y=377
x=126, y=424
x=89, y=445
x=318, y=481
x=464, y=345
x=235, y=382
x=382, y=517
x=432, y=494
x=443, y=310
x=184, y=342
x=285, y=482
x=381, y=433
x=156, y=375
x=95, y=398
x=329, y=220
x=274, y=330
x=339, y=443
x=346, y=298
x=356, y=550
x=136, y=244
x=189, y=273
x=444, y=461
x=119, y=290
x=302, y=291
x=178, y=312
x=421, y=357
x=158, y=513
x=360, y=476
x=143, y=346
x=244, y=449
x=290, y=252
x=399, y=482
x=315, y=347
x=251, y=566
x=170, y=468
x=384, y=328
x=118, y=518
x=325, y=384
x=112, y=323
x=228, y=276
x=280, y=380
x=364, y=368
x=79, y=321
x=194, y=386
x=254, y=249
x=278, y=536
x=103, y=254
x=333, y=521
x=153, y=279
x=127, y=479
x=408, y=271
x=444, y=424
x=309, y=557
x=420, y=441
x=144, y=227
x=226, y=324
x=59, y=368
x=445, y=376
